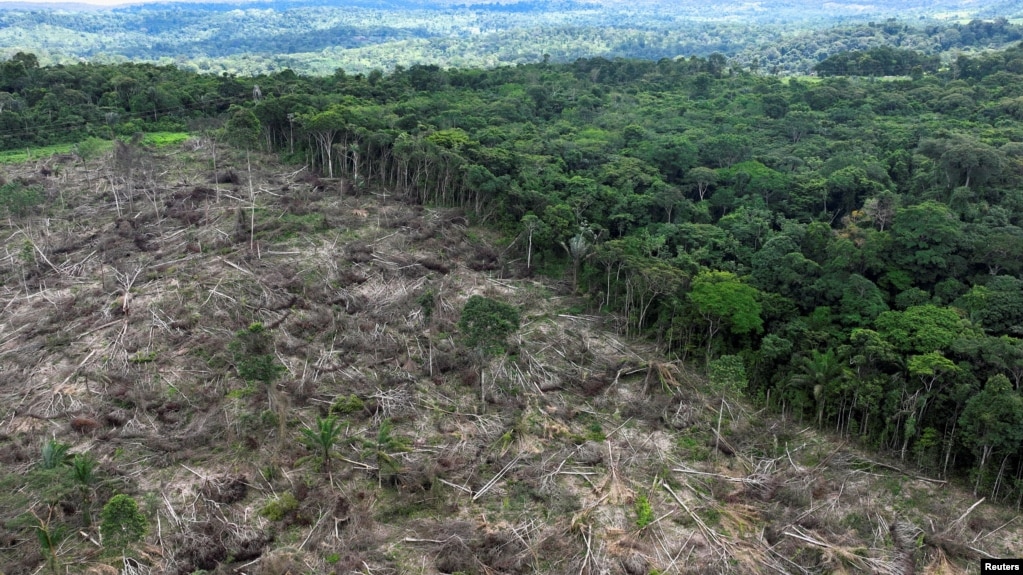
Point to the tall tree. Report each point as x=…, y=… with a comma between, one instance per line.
x=992, y=425
x=324, y=128
x=926, y=239
x=723, y=300
x=921, y=329
x=820, y=375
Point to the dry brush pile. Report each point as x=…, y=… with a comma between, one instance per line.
x=195, y=335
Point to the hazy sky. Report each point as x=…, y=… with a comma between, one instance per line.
x=93, y=2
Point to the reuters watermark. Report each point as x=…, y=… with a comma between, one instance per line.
x=1001, y=566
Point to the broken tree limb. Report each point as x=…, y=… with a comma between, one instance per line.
x=707, y=531
x=717, y=475
x=455, y=485
x=968, y=511
x=437, y=541
x=490, y=484
x=809, y=540
x=360, y=464
x=902, y=471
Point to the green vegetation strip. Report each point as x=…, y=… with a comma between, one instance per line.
x=156, y=139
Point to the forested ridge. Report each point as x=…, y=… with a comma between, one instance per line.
x=313, y=37
x=851, y=249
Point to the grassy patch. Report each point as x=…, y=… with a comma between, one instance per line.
x=156, y=139
x=29, y=154
x=277, y=509
x=163, y=139
x=287, y=226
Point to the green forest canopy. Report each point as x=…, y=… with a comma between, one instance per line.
x=314, y=37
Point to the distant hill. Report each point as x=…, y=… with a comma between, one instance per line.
x=63, y=6
x=316, y=37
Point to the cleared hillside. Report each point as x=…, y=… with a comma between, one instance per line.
x=182, y=333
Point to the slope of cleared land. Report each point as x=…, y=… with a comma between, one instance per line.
x=132, y=304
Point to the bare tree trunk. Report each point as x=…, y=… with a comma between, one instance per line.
x=948, y=450
x=117, y=198
x=1019, y=475
x=717, y=432
x=252, y=209
x=998, y=479
x=980, y=468
x=529, y=251
x=216, y=180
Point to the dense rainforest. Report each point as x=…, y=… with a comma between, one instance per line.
x=314, y=37
x=846, y=249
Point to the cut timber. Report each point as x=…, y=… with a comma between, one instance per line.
x=900, y=470
x=954, y=549
x=904, y=536
x=721, y=444
x=968, y=511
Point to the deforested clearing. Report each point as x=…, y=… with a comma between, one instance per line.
x=204, y=338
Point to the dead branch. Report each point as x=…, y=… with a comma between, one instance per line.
x=967, y=512
x=490, y=484
x=456, y=486
x=900, y=470
x=437, y=541
x=707, y=531
x=359, y=464
x=313, y=529
x=903, y=536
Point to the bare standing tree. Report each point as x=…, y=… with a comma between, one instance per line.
x=126, y=280
x=126, y=162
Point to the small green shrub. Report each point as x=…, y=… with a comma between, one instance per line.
x=321, y=439
x=258, y=368
x=279, y=508
x=17, y=200
x=143, y=357
x=388, y=445
x=49, y=543
x=54, y=454
x=426, y=301
x=270, y=472
x=486, y=323
x=252, y=351
x=347, y=405
x=268, y=419
x=241, y=393
x=644, y=513
x=710, y=516
x=122, y=523
x=858, y=522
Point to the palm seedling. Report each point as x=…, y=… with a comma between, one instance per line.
x=54, y=454
x=388, y=445
x=322, y=438
x=49, y=541
x=83, y=471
